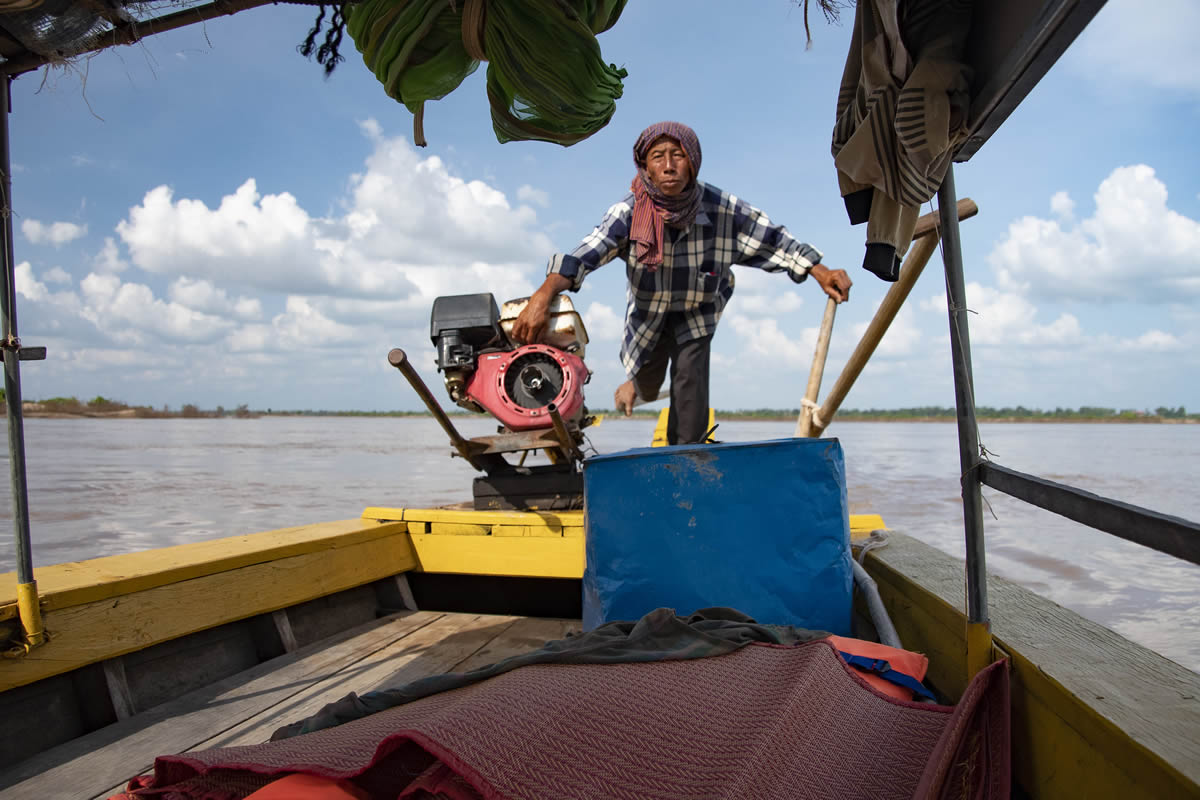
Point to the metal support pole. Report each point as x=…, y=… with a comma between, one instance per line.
x=968, y=432
x=561, y=432
x=27, y=597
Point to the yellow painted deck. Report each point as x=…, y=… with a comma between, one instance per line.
x=248, y=707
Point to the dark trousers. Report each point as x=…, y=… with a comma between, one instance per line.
x=687, y=421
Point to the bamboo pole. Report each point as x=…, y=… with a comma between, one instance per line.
x=804, y=423
x=925, y=243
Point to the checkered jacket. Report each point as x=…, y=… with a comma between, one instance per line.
x=695, y=278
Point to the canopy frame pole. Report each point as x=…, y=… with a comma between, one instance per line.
x=133, y=31
x=978, y=634
x=28, y=605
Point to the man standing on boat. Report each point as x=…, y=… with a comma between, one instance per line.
x=679, y=238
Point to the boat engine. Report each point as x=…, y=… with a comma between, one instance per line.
x=518, y=385
x=535, y=391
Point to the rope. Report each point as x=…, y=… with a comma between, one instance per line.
x=816, y=417
x=877, y=539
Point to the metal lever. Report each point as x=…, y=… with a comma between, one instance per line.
x=398, y=359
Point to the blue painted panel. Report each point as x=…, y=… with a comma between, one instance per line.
x=762, y=527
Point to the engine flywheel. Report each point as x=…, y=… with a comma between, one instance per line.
x=533, y=380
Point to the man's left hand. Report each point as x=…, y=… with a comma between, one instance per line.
x=835, y=282
x=624, y=398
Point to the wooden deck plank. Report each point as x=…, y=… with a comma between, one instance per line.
x=112, y=754
x=523, y=636
x=503, y=637
x=434, y=649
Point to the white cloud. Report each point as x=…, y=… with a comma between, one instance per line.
x=762, y=338
x=411, y=231
x=201, y=295
x=1133, y=247
x=54, y=233
x=57, y=275
x=301, y=326
x=1009, y=322
x=767, y=294
x=27, y=285
x=1153, y=341
x=109, y=258
x=1138, y=44
x=1007, y=319
x=530, y=195
x=603, y=323
x=901, y=338
x=107, y=301
x=1062, y=205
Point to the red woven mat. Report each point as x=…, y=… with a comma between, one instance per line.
x=763, y=722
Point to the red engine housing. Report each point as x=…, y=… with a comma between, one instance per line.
x=488, y=387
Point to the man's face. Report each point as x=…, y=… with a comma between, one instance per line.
x=668, y=166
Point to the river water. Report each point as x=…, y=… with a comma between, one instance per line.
x=101, y=487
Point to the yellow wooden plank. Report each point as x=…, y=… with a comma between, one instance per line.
x=863, y=524
x=108, y=628
x=515, y=556
x=459, y=522
x=660, y=428
x=545, y=519
x=79, y=582
x=383, y=514
x=659, y=439
x=458, y=529
x=512, y=530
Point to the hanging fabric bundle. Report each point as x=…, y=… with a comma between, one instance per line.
x=546, y=78
x=901, y=113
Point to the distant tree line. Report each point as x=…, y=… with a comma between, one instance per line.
x=104, y=406
x=100, y=405
x=983, y=412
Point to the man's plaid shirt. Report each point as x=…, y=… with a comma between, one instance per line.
x=696, y=276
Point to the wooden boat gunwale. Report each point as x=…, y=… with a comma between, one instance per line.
x=1072, y=736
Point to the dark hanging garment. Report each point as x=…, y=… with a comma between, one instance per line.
x=901, y=113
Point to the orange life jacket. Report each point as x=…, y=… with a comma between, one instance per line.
x=904, y=662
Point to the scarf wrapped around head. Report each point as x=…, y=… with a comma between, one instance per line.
x=652, y=208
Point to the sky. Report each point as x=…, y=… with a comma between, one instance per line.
x=205, y=218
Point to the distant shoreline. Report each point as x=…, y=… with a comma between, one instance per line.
x=39, y=411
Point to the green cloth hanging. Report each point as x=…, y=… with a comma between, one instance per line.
x=546, y=78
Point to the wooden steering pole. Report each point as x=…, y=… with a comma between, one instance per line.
x=804, y=425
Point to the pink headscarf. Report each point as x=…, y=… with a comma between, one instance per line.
x=652, y=208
